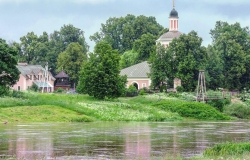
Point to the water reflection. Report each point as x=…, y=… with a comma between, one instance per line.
x=116, y=140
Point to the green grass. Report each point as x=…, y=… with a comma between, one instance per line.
x=43, y=113
x=155, y=107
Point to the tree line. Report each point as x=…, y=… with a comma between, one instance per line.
x=125, y=41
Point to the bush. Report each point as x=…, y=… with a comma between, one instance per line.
x=34, y=88
x=238, y=110
x=219, y=104
x=180, y=89
x=131, y=88
x=4, y=90
x=60, y=90
x=17, y=94
x=195, y=110
x=142, y=92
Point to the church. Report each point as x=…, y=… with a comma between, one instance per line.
x=137, y=75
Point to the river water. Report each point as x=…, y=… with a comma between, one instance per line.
x=116, y=140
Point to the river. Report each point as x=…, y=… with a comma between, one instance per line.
x=117, y=140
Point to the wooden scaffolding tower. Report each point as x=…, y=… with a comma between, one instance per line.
x=201, y=88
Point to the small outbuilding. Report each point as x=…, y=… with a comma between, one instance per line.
x=62, y=81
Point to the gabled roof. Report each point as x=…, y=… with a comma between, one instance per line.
x=26, y=69
x=62, y=75
x=139, y=70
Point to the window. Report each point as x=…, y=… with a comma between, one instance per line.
x=34, y=77
x=30, y=77
x=37, y=77
x=19, y=88
x=41, y=77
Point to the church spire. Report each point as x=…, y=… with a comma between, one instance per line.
x=173, y=19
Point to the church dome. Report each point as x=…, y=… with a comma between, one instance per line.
x=173, y=13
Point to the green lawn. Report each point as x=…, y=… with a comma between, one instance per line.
x=37, y=107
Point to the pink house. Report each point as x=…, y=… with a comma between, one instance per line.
x=33, y=74
x=137, y=75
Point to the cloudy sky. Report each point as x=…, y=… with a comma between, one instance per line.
x=18, y=17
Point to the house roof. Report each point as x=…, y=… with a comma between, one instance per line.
x=26, y=69
x=62, y=74
x=139, y=70
x=170, y=35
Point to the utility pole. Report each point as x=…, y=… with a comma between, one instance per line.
x=201, y=88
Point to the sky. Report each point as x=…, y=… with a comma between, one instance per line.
x=18, y=17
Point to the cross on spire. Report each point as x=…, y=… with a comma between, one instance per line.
x=173, y=3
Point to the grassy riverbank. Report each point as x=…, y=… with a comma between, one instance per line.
x=37, y=107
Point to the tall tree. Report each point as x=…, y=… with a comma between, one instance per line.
x=144, y=46
x=122, y=32
x=161, y=70
x=128, y=58
x=9, y=74
x=71, y=60
x=100, y=76
x=214, y=69
x=232, y=44
x=188, y=58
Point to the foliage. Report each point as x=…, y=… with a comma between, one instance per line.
x=214, y=69
x=231, y=42
x=35, y=49
x=161, y=67
x=128, y=59
x=34, y=88
x=239, y=110
x=4, y=90
x=121, y=33
x=144, y=47
x=188, y=58
x=17, y=94
x=71, y=60
x=9, y=74
x=219, y=104
x=195, y=110
x=131, y=88
x=228, y=149
x=180, y=89
x=59, y=90
x=100, y=76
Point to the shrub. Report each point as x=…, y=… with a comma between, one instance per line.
x=17, y=94
x=142, y=92
x=180, y=89
x=238, y=110
x=195, y=110
x=60, y=90
x=131, y=88
x=34, y=88
x=4, y=90
x=219, y=104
